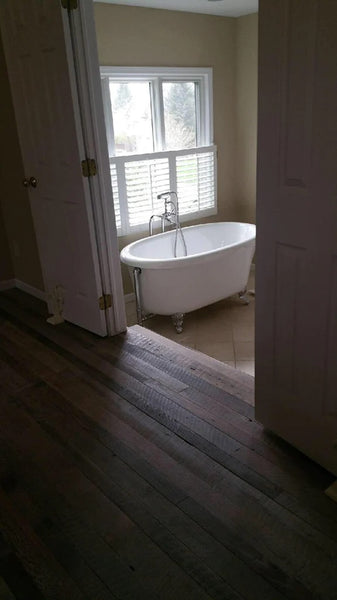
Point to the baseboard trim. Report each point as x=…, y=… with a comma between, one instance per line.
x=7, y=284
x=30, y=289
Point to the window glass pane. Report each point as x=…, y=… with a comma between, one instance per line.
x=180, y=114
x=132, y=122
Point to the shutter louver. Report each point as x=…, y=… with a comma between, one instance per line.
x=144, y=180
x=114, y=185
x=195, y=182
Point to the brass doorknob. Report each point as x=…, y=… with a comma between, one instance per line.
x=25, y=182
x=33, y=182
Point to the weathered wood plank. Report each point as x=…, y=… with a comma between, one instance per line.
x=247, y=518
x=35, y=349
x=18, y=580
x=110, y=351
x=100, y=529
x=214, y=554
x=156, y=463
x=231, y=380
x=38, y=561
x=167, y=363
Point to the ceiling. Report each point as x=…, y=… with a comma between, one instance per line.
x=225, y=8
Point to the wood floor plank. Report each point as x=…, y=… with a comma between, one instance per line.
x=152, y=403
x=89, y=505
x=45, y=526
x=37, y=350
x=38, y=561
x=186, y=376
x=113, y=352
x=18, y=581
x=294, y=476
x=177, y=521
x=114, y=373
x=13, y=375
x=204, y=366
x=138, y=471
x=248, y=515
x=279, y=469
x=123, y=431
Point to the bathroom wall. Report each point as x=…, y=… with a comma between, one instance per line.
x=246, y=115
x=18, y=243
x=134, y=36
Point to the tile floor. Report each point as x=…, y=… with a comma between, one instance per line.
x=224, y=330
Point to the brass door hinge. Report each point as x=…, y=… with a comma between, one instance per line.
x=105, y=302
x=69, y=4
x=89, y=167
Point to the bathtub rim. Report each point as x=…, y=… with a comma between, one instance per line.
x=180, y=262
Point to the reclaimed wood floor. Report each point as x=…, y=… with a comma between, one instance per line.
x=132, y=468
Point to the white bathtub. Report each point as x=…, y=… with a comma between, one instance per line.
x=217, y=266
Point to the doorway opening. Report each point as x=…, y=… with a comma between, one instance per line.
x=127, y=36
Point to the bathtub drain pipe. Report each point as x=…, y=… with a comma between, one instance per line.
x=136, y=274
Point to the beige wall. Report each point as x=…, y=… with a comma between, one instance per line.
x=14, y=202
x=132, y=36
x=246, y=117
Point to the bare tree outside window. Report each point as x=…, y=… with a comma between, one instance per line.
x=180, y=114
x=131, y=113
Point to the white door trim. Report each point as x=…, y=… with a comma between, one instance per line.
x=84, y=47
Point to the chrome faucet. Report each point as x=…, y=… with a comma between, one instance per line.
x=170, y=207
x=152, y=218
x=170, y=214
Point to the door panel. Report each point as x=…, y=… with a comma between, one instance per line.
x=296, y=326
x=52, y=148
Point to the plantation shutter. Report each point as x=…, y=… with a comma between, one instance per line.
x=195, y=181
x=144, y=180
x=115, y=194
x=138, y=179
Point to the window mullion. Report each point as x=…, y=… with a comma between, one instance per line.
x=158, y=114
x=173, y=171
x=161, y=114
x=199, y=106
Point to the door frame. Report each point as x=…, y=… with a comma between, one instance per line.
x=81, y=48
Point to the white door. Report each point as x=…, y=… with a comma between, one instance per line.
x=49, y=128
x=296, y=276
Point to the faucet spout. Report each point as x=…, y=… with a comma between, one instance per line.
x=161, y=217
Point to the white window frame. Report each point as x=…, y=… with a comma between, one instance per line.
x=204, y=115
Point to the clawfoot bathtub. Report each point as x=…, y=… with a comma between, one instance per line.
x=217, y=265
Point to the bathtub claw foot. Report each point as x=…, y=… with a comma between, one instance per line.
x=243, y=297
x=178, y=319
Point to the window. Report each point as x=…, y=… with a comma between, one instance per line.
x=160, y=138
